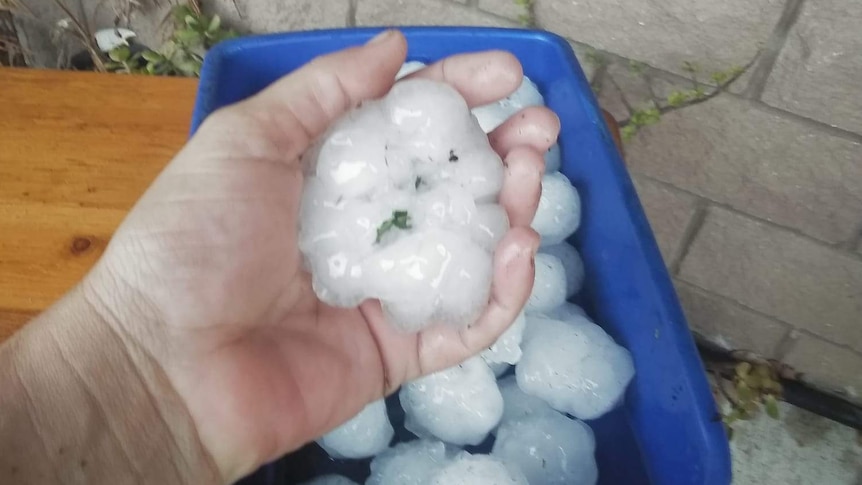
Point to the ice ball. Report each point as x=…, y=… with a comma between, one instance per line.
x=549, y=448
x=549, y=284
x=517, y=404
x=559, y=213
x=467, y=469
x=410, y=463
x=400, y=205
x=458, y=405
x=364, y=435
x=507, y=348
x=492, y=115
x=572, y=264
x=574, y=366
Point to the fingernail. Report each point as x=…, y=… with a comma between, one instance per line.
x=381, y=37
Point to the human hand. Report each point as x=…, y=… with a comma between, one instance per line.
x=204, y=275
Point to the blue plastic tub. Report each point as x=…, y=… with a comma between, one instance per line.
x=668, y=431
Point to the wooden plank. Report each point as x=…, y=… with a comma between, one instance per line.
x=76, y=152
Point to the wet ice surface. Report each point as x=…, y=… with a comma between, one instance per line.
x=364, y=435
x=492, y=115
x=400, y=205
x=559, y=212
x=549, y=284
x=517, y=404
x=572, y=263
x=459, y=405
x=565, y=312
x=330, y=480
x=549, y=448
x=409, y=68
x=573, y=365
x=507, y=348
x=410, y=463
x=467, y=469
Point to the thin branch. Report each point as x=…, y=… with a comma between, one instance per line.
x=721, y=88
x=84, y=37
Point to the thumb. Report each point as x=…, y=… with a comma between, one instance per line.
x=297, y=108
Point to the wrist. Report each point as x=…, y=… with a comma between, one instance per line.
x=91, y=405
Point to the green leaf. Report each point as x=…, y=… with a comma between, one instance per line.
x=731, y=417
x=628, y=132
x=188, y=37
x=719, y=77
x=742, y=369
x=112, y=66
x=751, y=409
x=120, y=54
x=214, y=24
x=399, y=219
x=677, y=98
x=191, y=21
x=180, y=12
x=151, y=67
x=744, y=392
x=152, y=56
x=771, y=406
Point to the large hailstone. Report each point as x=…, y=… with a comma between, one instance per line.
x=400, y=204
x=507, y=348
x=573, y=365
x=572, y=264
x=467, y=469
x=410, y=463
x=364, y=435
x=559, y=213
x=549, y=448
x=459, y=405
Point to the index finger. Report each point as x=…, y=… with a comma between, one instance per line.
x=480, y=78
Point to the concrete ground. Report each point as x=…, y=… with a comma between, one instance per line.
x=755, y=194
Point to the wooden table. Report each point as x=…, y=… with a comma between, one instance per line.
x=76, y=151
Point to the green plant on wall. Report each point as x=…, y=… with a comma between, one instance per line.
x=526, y=17
x=194, y=34
x=678, y=99
x=747, y=389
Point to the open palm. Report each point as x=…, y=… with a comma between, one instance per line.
x=208, y=259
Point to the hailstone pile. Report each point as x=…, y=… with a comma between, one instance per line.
x=400, y=205
x=416, y=231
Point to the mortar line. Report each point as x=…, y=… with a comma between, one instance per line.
x=774, y=44
x=689, y=234
x=828, y=129
x=785, y=345
x=723, y=205
x=778, y=321
x=350, y=21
